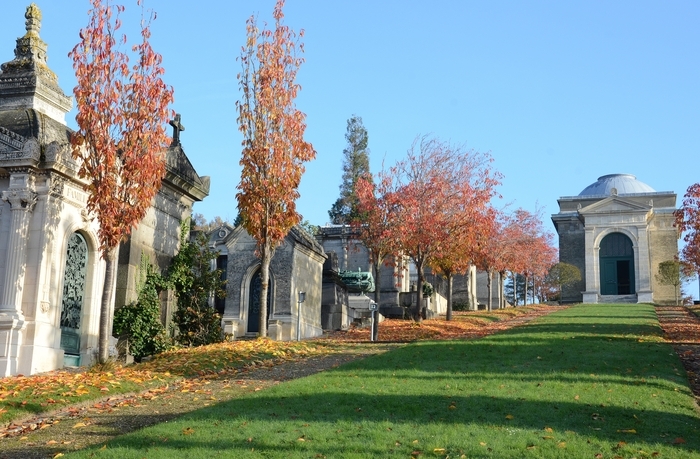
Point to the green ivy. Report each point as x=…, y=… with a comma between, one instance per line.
x=139, y=322
x=191, y=276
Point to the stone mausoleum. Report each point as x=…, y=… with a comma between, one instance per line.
x=296, y=266
x=51, y=273
x=617, y=231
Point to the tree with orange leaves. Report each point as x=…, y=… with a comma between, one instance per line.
x=688, y=221
x=121, y=139
x=375, y=223
x=440, y=186
x=274, y=149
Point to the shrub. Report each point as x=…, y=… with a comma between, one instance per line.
x=194, y=282
x=139, y=322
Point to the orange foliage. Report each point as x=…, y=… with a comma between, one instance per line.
x=121, y=137
x=273, y=143
x=465, y=325
x=688, y=220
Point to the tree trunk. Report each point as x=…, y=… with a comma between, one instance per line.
x=106, y=304
x=377, y=296
x=468, y=277
x=265, y=257
x=526, y=280
x=501, y=290
x=419, y=295
x=448, y=315
x=490, y=290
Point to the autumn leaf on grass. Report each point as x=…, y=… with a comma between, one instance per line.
x=80, y=424
x=630, y=431
x=678, y=440
x=509, y=416
x=188, y=431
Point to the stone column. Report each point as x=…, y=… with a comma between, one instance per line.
x=12, y=322
x=592, y=277
x=642, y=264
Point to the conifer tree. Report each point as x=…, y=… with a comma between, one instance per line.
x=355, y=166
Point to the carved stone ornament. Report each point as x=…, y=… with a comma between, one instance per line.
x=20, y=199
x=56, y=187
x=16, y=147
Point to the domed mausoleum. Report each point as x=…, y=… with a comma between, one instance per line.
x=617, y=231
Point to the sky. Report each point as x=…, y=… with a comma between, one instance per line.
x=558, y=93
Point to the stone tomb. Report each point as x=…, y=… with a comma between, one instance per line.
x=297, y=266
x=617, y=231
x=51, y=273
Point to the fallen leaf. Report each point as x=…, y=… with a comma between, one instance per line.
x=439, y=450
x=509, y=416
x=80, y=424
x=188, y=431
x=678, y=440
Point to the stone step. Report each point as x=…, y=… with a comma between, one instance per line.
x=608, y=299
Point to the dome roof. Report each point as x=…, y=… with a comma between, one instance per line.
x=616, y=184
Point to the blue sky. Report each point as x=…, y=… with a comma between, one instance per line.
x=559, y=93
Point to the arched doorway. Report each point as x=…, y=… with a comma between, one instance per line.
x=616, y=265
x=254, y=302
x=74, y=275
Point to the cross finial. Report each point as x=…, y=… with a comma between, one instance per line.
x=177, y=127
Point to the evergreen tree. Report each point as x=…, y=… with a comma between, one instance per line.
x=355, y=165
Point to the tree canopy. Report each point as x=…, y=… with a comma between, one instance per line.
x=121, y=140
x=355, y=166
x=274, y=149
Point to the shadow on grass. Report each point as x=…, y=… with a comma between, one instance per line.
x=601, y=382
x=304, y=413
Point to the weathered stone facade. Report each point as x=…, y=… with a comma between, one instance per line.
x=594, y=228
x=353, y=255
x=51, y=273
x=297, y=266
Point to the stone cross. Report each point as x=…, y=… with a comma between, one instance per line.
x=177, y=127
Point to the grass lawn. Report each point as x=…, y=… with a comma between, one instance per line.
x=592, y=381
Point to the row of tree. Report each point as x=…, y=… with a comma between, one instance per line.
x=435, y=208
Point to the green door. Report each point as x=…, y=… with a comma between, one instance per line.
x=608, y=277
x=616, y=265
x=73, y=293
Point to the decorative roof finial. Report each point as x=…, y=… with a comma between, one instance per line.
x=33, y=16
x=27, y=81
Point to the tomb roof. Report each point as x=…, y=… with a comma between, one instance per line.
x=27, y=82
x=619, y=184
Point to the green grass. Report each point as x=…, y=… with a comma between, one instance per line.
x=587, y=381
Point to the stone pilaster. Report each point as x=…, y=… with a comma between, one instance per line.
x=12, y=323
